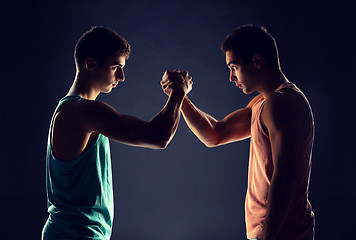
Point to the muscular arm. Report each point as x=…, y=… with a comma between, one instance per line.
x=157, y=133
x=283, y=119
x=234, y=127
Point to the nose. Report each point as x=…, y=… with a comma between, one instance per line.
x=232, y=77
x=120, y=74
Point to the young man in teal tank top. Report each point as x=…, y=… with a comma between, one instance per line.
x=79, y=184
x=280, y=124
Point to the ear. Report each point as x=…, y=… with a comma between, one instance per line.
x=90, y=64
x=257, y=60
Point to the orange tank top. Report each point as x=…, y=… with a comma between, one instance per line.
x=300, y=218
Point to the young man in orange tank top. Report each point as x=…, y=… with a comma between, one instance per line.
x=280, y=123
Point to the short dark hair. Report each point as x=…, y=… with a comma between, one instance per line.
x=100, y=43
x=247, y=40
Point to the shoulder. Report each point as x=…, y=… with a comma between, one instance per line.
x=255, y=100
x=282, y=108
x=279, y=100
x=82, y=111
x=83, y=106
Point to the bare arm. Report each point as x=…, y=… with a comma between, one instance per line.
x=85, y=117
x=282, y=116
x=234, y=127
x=130, y=130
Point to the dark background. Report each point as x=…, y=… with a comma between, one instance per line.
x=186, y=191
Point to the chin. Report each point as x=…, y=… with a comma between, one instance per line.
x=107, y=90
x=248, y=91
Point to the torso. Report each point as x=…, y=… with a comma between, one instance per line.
x=300, y=217
x=77, y=211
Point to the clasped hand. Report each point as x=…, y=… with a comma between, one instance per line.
x=176, y=80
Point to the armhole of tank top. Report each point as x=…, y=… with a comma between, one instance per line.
x=263, y=126
x=51, y=128
x=78, y=158
x=52, y=123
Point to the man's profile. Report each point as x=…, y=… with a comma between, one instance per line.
x=280, y=125
x=78, y=169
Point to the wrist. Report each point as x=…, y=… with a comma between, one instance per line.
x=178, y=93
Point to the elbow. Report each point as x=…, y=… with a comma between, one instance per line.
x=156, y=145
x=214, y=137
x=162, y=144
x=210, y=144
x=213, y=140
x=157, y=137
x=161, y=141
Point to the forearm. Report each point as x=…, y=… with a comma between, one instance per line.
x=280, y=197
x=164, y=125
x=202, y=124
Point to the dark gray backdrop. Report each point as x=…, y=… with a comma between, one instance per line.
x=186, y=191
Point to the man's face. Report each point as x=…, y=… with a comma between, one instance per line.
x=243, y=74
x=110, y=74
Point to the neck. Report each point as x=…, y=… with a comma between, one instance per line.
x=83, y=87
x=272, y=79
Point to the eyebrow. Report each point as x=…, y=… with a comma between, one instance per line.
x=232, y=62
x=117, y=63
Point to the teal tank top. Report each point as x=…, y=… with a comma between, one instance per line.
x=79, y=191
